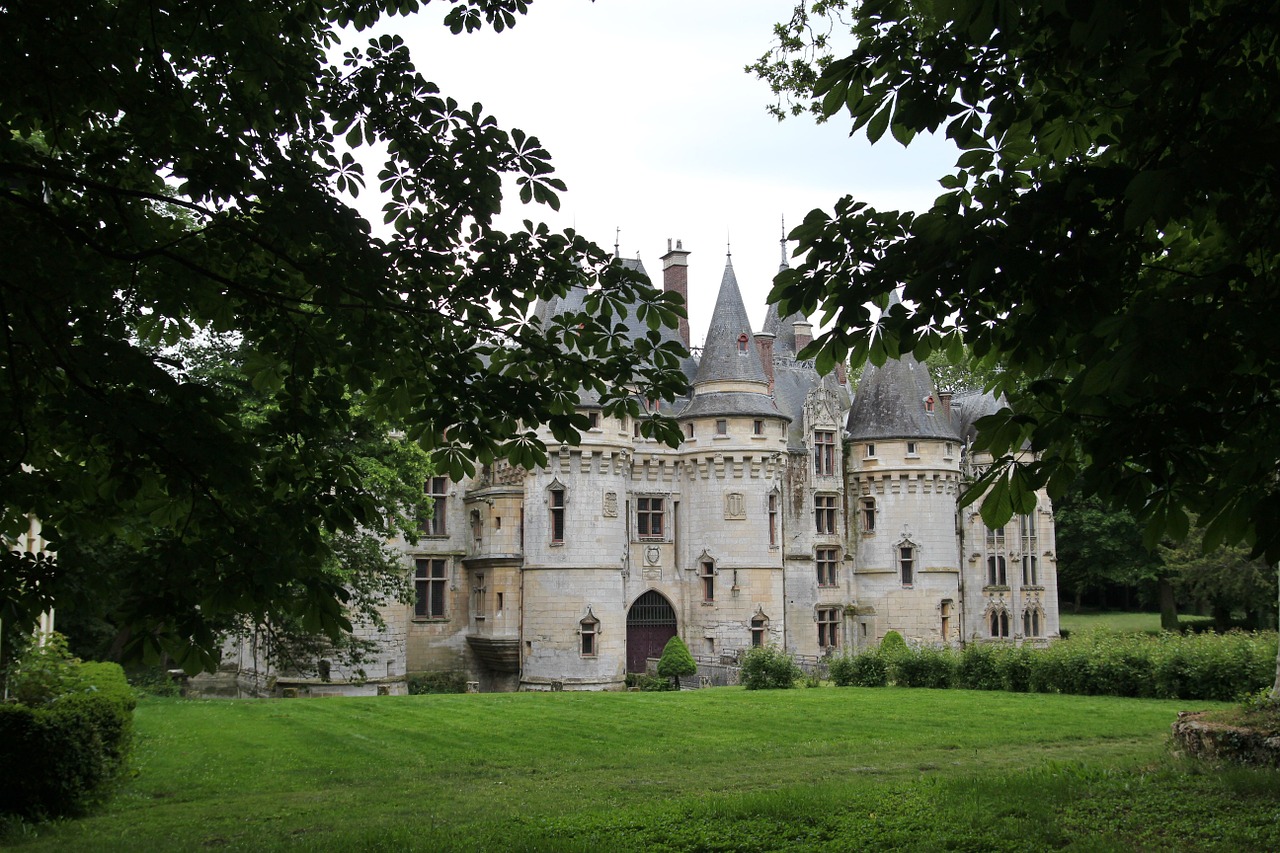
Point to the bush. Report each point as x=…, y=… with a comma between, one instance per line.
x=676, y=660
x=979, y=668
x=769, y=668
x=926, y=667
x=42, y=672
x=868, y=669
x=63, y=751
x=893, y=645
x=443, y=681
x=648, y=683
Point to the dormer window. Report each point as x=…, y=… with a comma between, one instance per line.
x=743, y=341
x=928, y=404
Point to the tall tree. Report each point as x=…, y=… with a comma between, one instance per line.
x=169, y=170
x=1109, y=231
x=1226, y=579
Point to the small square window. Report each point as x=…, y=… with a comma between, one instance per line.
x=913, y=449
x=870, y=451
x=594, y=419
x=757, y=427
x=722, y=427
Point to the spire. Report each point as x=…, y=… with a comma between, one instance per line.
x=783, y=243
x=730, y=352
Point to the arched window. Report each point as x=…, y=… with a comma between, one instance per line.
x=1000, y=624
x=743, y=342
x=1031, y=622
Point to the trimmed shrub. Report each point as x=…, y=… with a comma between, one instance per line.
x=443, y=681
x=925, y=667
x=64, y=751
x=648, y=683
x=868, y=669
x=893, y=644
x=769, y=668
x=676, y=660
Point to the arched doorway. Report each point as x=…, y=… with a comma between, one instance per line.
x=651, y=621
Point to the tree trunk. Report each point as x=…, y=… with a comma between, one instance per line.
x=1168, y=605
x=1076, y=604
x=1275, y=690
x=1221, y=618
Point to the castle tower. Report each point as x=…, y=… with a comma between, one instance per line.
x=729, y=549
x=903, y=475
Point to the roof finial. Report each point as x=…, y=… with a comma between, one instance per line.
x=783, y=241
x=617, y=237
x=728, y=246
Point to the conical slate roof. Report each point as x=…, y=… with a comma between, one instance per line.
x=891, y=402
x=782, y=329
x=722, y=357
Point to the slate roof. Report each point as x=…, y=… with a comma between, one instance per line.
x=971, y=405
x=890, y=403
x=721, y=358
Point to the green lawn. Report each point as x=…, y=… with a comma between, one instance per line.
x=714, y=769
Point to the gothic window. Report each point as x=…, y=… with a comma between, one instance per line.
x=824, y=452
x=828, y=627
x=589, y=631
x=824, y=513
x=1031, y=622
x=649, y=514
x=944, y=611
x=997, y=571
x=827, y=559
x=999, y=624
x=995, y=538
x=707, y=572
x=429, y=579
x=907, y=563
x=868, y=507
x=437, y=489
x=556, y=503
x=759, y=624
x=773, y=518
x=1030, y=544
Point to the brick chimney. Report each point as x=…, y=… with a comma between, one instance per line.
x=804, y=333
x=841, y=376
x=945, y=398
x=675, y=277
x=764, y=345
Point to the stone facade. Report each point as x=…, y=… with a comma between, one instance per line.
x=790, y=515
x=797, y=512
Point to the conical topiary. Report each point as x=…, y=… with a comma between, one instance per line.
x=676, y=661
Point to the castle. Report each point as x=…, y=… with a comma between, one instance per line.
x=797, y=512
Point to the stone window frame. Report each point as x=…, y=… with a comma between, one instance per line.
x=1032, y=621
x=430, y=588
x=997, y=619
x=827, y=619
x=867, y=514
x=772, y=501
x=906, y=559
x=437, y=491
x=589, y=635
x=825, y=517
x=824, y=452
x=557, y=513
x=758, y=627
x=707, y=572
x=757, y=427
x=646, y=511
x=722, y=426
x=997, y=570
x=946, y=613
x=826, y=560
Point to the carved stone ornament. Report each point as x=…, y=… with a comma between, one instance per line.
x=735, y=507
x=610, y=504
x=652, y=555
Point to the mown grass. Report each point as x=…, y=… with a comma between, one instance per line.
x=1116, y=622
x=712, y=770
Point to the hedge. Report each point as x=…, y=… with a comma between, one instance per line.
x=59, y=755
x=1220, y=667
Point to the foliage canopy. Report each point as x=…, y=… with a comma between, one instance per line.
x=175, y=170
x=1109, y=232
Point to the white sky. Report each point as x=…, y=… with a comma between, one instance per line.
x=657, y=130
